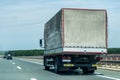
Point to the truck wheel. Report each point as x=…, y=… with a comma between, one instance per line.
x=45, y=63
x=47, y=68
x=56, y=65
x=92, y=71
x=85, y=71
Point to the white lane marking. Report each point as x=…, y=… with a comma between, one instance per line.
x=98, y=73
x=36, y=62
x=108, y=77
x=19, y=67
x=31, y=61
x=33, y=79
x=13, y=63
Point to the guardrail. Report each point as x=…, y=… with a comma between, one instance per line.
x=109, y=65
x=110, y=61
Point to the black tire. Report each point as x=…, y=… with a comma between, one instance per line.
x=45, y=64
x=56, y=65
x=10, y=58
x=7, y=58
x=85, y=70
x=92, y=71
x=47, y=68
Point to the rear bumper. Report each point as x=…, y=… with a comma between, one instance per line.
x=79, y=65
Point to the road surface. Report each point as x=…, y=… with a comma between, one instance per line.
x=26, y=70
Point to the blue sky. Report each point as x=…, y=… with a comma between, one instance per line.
x=22, y=21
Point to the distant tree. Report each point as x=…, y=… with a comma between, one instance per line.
x=27, y=52
x=113, y=50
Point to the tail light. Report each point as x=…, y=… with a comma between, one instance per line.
x=98, y=58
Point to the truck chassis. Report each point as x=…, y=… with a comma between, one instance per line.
x=66, y=62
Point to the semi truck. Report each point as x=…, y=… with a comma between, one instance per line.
x=75, y=38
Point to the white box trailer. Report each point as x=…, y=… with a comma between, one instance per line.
x=79, y=34
x=76, y=30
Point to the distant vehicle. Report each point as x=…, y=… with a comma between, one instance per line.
x=4, y=57
x=75, y=38
x=8, y=56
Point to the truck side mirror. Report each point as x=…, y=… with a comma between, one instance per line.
x=40, y=42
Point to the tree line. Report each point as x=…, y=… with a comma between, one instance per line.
x=26, y=52
x=41, y=52
x=113, y=50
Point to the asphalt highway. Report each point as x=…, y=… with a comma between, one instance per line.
x=17, y=69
